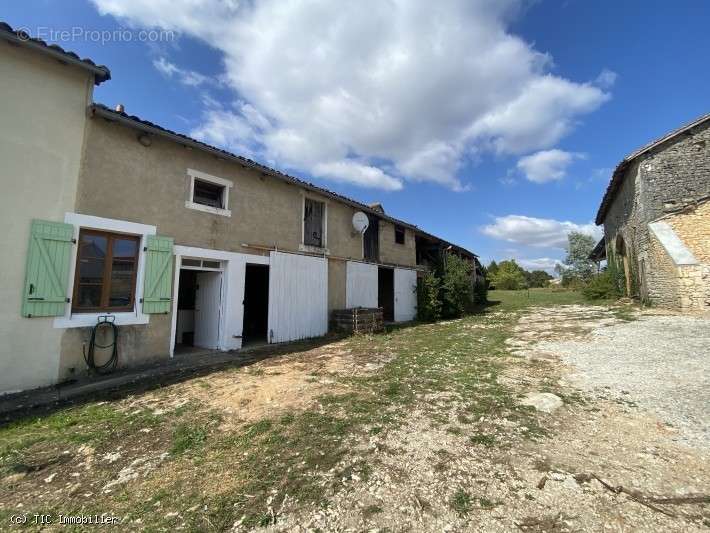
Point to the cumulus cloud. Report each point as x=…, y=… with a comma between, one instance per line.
x=537, y=232
x=547, y=165
x=412, y=89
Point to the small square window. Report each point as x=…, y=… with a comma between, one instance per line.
x=399, y=234
x=210, y=194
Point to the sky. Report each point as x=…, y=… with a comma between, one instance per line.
x=494, y=124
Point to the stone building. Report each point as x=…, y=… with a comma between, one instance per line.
x=656, y=217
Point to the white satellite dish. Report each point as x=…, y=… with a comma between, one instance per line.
x=360, y=222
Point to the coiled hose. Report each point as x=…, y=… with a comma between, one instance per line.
x=110, y=365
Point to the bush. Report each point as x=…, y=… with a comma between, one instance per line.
x=456, y=289
x=428, y=302
x=603, y=286
x=480, y=292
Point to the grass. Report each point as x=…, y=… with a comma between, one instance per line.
x=460, y=502
x=217, y=477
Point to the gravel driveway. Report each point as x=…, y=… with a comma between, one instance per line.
x=659, y=363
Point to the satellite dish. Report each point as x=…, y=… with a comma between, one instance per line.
x=360, y=222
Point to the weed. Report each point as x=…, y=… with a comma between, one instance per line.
x=460, y=502
x=187, y=437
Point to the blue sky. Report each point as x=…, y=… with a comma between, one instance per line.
x=492, y=124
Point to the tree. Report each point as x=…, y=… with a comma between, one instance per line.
x=509, y=276
x=578, y=268
x=537, y=278
x=492, y=268
x=456, y=289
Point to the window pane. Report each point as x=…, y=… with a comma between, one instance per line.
x=91, y=271
x=191, y=262
x=92, y=245
x=125, y=247
x=206, y=193
x=313, y=223
x=211, y=264
x=89, y=296
x=121, y=293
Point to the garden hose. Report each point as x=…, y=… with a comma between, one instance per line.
x=110, y=365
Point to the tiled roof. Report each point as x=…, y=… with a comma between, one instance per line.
x=21, y=38
x=618, y=176
x=155, y=129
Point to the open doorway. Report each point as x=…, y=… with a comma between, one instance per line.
x=385, y=292
x=256, y=304
x=198, y=310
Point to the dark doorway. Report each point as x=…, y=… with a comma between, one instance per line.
x=185, y=328
x=385, y=292
x=256, y=304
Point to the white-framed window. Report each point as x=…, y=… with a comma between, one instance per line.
x=74, y=316
x=208, y=193
x=314, y=225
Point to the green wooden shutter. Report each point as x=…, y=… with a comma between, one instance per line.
x=48, y=258
x=158, y=275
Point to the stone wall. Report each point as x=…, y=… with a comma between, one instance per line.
x=693, y=228
x=660, y=182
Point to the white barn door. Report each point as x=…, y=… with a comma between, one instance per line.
x=208, y=308
x=360, y=285
x=298, y=297
x=405, y=294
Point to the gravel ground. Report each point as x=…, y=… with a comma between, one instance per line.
x=659, y=363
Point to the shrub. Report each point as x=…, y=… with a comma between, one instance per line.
x=602, y=286
x=480, y=292
x=428, y=302
x=456, y=289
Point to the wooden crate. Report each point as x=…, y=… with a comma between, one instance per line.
x=358, y=320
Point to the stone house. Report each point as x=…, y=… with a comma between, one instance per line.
x=656, y=218
x=183, y=246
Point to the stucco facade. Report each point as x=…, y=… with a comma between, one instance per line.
x=665, y=182
x=43, y=108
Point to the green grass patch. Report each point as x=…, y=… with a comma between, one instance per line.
x=187, y=437
x=460, y=502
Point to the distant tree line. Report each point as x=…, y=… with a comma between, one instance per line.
x=509, y=275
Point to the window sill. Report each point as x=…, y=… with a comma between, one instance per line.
x=84, y=320
x=208, y=209
x=313, y=249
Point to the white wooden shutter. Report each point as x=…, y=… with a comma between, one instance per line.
x=405, y=294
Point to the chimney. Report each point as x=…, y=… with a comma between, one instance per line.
x=120, y=108
x=377, y=207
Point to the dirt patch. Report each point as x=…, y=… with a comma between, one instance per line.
x=267, y=388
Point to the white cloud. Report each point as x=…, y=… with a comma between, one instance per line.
x=537, y=232
x=606, y=79
x=540, y=263
x=186, y=77
x=547, y=165
x=411, y=88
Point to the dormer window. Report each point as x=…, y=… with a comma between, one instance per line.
x=208, y=193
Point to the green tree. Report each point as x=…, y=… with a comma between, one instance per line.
x=456, y=287
x=509, y=276
x=578, y=269
x=537, y=278
x=492, y=268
